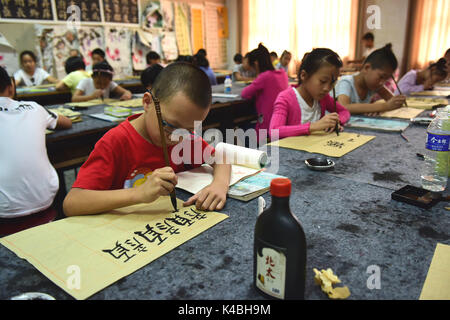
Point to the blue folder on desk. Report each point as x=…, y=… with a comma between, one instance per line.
x=377, y=124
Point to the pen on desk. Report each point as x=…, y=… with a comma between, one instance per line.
x=336, y=128
x=398, y=88
x=173, y=197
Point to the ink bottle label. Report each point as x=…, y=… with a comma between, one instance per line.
x=270, y=270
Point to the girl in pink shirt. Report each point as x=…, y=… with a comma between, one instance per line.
x=266, y=87
x=300, y=111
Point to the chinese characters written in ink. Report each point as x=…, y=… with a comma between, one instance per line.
x=154, y=234
x=334, y=144
x=26, y=9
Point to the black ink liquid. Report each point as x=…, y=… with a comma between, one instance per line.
x=279, y=254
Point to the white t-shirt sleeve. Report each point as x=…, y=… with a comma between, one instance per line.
x=42, y=74
x=112, y=86
x=82, y=85
x=51, y=118
x=18, y=75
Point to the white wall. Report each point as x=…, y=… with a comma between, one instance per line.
x=394, y=18
x=232, y=42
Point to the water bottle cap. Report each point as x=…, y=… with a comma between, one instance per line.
x=280, y=187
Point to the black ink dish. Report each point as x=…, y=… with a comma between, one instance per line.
x=319, y=164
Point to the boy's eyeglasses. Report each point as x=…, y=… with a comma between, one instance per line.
x=170, y=128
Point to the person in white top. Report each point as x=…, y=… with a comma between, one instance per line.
x=100, y=85
x=28, y=181
x=30, y=74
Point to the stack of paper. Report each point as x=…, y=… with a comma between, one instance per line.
x=90, y=103
x=252, y=187
x=132, y=103
x=75, y=116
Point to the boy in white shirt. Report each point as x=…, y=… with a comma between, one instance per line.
x=28, y=181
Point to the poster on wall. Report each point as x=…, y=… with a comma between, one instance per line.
x=26, y=9
x=64, y=40
x=222, y=16
x=138, y=52
x=212, y=40
x=118, y=51
x=89, y=10
x=44, y=47
x=182, y=28
x=168, y=15
x=197, y=26
x=9, y=59
x=152, y=16
x=169, y=45
x=89, y=39
x=121, y=11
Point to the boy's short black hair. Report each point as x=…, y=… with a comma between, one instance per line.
x=368, y=36
x=152, y=55
x=73, y=64
x=28, y=52
x=102, y=68
x=383, y=57
x=149, y=75
x=5, y=80
x=186, y=78
x=447, y=52
x=99, y=52
x=274, y=54
x=183, y=58
x=238, y=58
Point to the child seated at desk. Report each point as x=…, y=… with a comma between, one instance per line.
x=127, y=164
x=100, y=85
x=285, y=59
x=265, y=88
x=76, y=71
x=202, y=62
x=355, y=91
x=149, y=75
x=243, y=71
x=415, y=81
x=29, y=182
x=301, y=111
x=30, y=74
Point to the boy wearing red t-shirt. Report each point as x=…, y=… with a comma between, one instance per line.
x=127, y=164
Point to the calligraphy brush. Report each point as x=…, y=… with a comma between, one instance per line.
x=336, y=128
x=173, y=197
x=398, y=88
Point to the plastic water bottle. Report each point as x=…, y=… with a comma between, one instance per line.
x=279, y=253
x=227, y=84
x=435, y=168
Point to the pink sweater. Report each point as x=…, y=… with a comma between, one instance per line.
x=265, y=89
x=287, y=115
